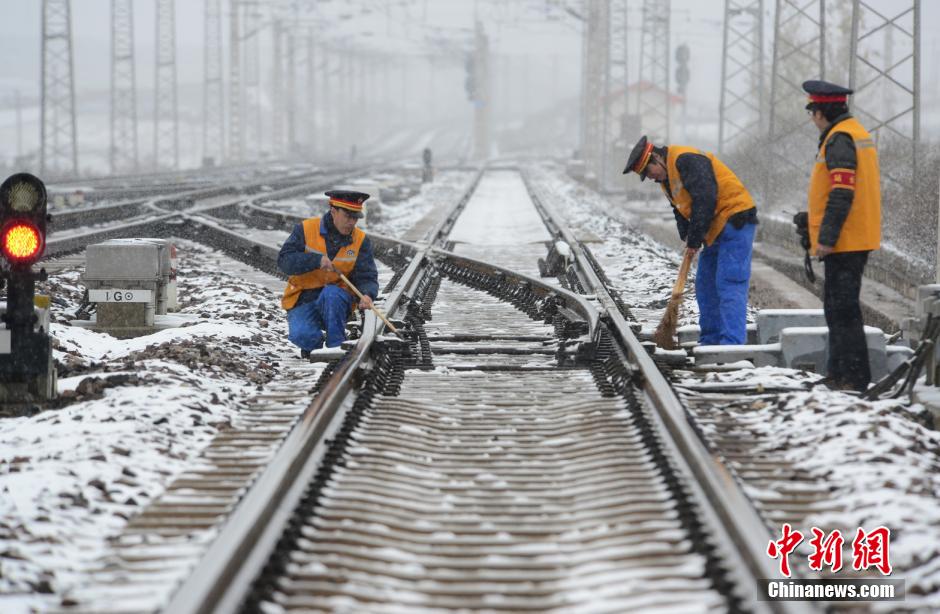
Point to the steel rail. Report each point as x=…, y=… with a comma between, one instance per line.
x=149, y=178
x=223, y=576
x=174, y=200
x=745, y=533
x=577, y=305
x=168, y=224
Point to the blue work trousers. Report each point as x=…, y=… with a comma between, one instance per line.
x=721, y=284
x=328, y=311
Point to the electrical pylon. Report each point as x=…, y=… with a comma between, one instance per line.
x=250, y=92
x=309, y=100
x=213, y=105
x=166, y=112
x=875, y=69
x=278, y=102
x=482, y=99
x=59, y=145
x=236, y=133
x=653, y=97
x=123, y=152
x=741, y=109
x=799, y=54
x=595, y=61
x=615, y=126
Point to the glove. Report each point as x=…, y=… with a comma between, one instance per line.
x=801, y=220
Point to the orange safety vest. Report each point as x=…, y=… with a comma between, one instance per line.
x=862, y=228
x=344, y=262
x=733, y=197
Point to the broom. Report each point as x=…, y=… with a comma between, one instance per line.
x=667, y=327
x=377, y=311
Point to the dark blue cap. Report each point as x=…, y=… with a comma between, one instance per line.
x=348, y=200
x=822, y=92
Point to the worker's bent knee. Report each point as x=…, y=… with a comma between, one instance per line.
x=306, y=337
x=332, y=292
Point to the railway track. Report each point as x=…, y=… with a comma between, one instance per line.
x=215, y=196
x=522, y=454
x=158, y=546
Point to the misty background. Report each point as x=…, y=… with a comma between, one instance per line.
x=536, y=59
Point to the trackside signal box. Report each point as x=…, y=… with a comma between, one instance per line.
x=26, y=368
x=130, y=281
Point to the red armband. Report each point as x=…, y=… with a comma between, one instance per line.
x=842, y=178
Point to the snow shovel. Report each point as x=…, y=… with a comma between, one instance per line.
x=667, y=327
x=374, y=308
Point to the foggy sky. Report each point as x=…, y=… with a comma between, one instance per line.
x=512, y=33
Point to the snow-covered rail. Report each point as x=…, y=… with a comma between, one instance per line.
x=501, y=459
x=214, y=197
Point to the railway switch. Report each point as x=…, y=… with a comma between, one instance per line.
x=26, y=368
x=130, y=282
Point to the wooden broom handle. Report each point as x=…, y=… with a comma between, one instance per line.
x=683, y=274
x=374, y=308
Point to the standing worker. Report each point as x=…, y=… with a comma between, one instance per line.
x=713, y=207
x=313, y=256
x=844, y=219
x=427, y=171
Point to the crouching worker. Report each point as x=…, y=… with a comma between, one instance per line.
x=314, y=255
x=711, y=207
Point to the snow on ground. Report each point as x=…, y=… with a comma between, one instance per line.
x=398, y=218
x=880, y=461
x=133, y=414
x=500, y=213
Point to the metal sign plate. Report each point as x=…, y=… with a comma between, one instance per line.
x=120, y=295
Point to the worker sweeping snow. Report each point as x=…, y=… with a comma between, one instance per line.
x=712, y=208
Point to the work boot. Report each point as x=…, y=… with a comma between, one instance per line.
x=305, y=354
x=841, y=385
x=832, y=383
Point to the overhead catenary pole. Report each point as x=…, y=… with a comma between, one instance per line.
x=291, y=92
x=310, y=108
x=278, y=97
x=799, y=54
x=482, y=98
x=123, y=150
x=654, y=102
x=615, y=124
x=327, y=108
x=741, y=107
x=166, y=111
x=251, y=84
x=213, y=105
x=869, y=75
x=58, y=141
x=594, y=86
x=236, y=133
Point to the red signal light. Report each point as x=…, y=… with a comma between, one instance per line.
x=21, y=242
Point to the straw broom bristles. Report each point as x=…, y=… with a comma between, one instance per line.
x=666, y=331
